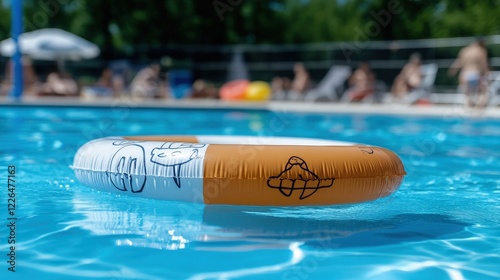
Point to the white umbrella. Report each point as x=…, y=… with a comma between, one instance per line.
x=51, y=44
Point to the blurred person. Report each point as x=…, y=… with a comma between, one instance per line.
x=6, y=84
x=472, y=61
x=409, y=78
x=147, y=82
x=113, y=84
x=59, y=84
x=30, y=78
x=362, y=83
x=31, y=82
x=202, y=89
x=279, y=87
x=106, y=79
x=300, y=83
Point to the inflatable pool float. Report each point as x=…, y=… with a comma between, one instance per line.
x=245, y=90
x=234, y=90
x=239, y=170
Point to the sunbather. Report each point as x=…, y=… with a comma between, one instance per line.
x=472, y=62
x=410, y=78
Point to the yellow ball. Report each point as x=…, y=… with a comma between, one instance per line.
x=258, y=91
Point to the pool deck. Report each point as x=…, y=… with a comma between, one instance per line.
x=442, y=110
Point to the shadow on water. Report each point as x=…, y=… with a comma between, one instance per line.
x=172, y=226
x=334, y=233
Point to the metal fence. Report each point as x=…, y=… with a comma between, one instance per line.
x=263, y=62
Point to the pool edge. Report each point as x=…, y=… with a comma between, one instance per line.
x=282, y=106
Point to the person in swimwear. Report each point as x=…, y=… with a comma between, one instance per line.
x=300, y=83
x=409, y=78
x=146, y=83
x=362, y=83
x=472, y=62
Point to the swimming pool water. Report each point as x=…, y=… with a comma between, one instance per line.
x=443, y=223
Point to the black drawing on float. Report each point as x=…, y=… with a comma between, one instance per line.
x=175, y=155
x=127, y=168
x=303, y=180
x=366, y=150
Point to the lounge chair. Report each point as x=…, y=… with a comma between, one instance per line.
x=330, y=85
x=494, y=87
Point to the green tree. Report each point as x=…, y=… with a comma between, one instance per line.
x=322, y=20
x=48, y=14
x=467, y=18
x=115, y=24
x=4, y=21
x=408, y=19
x=153, y=23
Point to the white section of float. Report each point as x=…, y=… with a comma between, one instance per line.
x=145, y=168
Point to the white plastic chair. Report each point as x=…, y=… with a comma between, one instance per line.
x=494, y=87
x=332, y=82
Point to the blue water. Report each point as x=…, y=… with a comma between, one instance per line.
x=443, y=223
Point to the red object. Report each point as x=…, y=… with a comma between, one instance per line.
x=424, y=102
x=360, y=94
x=234, y=90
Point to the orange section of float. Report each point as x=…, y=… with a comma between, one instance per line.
x=291, y=175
